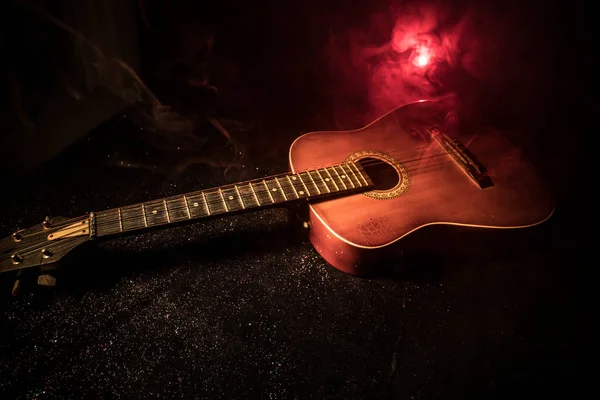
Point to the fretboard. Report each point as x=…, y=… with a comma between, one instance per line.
x=337, y=179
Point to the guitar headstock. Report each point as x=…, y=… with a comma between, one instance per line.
x=45, y=243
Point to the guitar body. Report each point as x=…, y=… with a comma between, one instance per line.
x=431, y=188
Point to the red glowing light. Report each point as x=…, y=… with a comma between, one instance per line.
x=422, y=61
x=421, y=56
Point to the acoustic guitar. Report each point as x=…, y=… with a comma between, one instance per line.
x=366, y=189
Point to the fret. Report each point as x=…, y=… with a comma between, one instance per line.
x=318, y=182
x=107, y=222
x=197, y=206
x=359, y=171
x=266, y=189
x=232, y=199
x=335, y=179
x=299, y=186
x=293, y=186
x=187, y=207
x=215, y=202
x=285, y=198
x=351, y=177
x=310, y=186
x=237, y=191
x=261, y=192
x=345, y=175
x=156, y=213
x=327, y=181
x=144, y=215
x=177, y=209
x=339, y=180
x=303, y=184
x=132, y=218
x=275, y=191
x=248, y=195
x=314, y=184
x=357, y=181
x=205, y=204
x=287, y=188
x=254, y=192
x=223, y=199
x=120, y=219
x=167, y=211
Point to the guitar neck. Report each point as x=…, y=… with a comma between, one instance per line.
x=334, y=180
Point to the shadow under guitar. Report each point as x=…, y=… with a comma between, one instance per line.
x=431, y=252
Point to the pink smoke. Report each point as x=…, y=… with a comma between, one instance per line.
x=422, y=42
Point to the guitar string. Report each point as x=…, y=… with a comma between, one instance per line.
x=38, y=247
x=113, y=224
x=218, y=203
x=114, y=221
x=395, y=152
x=256, y=180
x=26, y=252
x=134, y=213
x=110, y=222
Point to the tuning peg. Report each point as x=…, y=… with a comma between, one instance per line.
x=17, y=236
x=47, y=224
x=16, y=258
x=46, y=280
x=46, y=253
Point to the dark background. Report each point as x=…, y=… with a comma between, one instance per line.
x=243, y=306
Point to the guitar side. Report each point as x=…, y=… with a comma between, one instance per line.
x=353, y=232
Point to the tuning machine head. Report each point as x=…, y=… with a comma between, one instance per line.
x=46, y=224
x=16, y=258
x=17, y=236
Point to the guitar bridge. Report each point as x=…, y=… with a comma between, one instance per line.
x=465, y=160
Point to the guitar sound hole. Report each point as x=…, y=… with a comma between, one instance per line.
x=383, y=175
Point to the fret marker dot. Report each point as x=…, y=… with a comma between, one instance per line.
x=154, y=212
x=343, y=176
x=195, y=204
x=327, y=179
x=293, y=177
x=274, y=189
x=301, y=192
x=230, y=197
